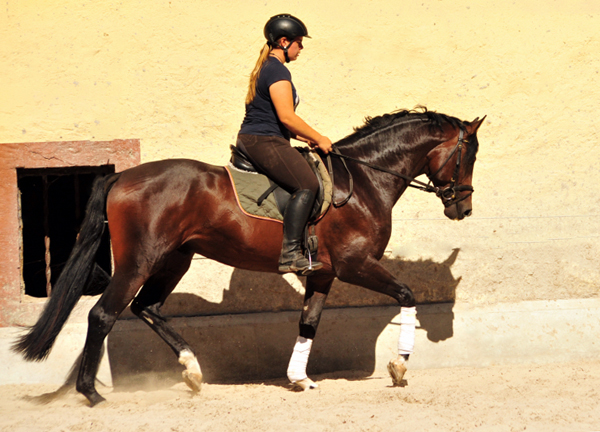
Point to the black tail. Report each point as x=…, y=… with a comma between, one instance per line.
x=72, y=282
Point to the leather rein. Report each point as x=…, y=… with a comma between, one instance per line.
x=448, y=195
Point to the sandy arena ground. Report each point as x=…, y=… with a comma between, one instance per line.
x=559, y=397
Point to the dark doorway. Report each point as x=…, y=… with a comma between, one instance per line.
x=53, y=202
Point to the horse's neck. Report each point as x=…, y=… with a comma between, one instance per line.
x=382, y=187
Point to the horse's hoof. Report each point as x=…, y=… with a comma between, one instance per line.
x=306, y=384
x=95, y=399
x=397, y=369
x=193, y=380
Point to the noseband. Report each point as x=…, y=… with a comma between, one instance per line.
x=448, y=195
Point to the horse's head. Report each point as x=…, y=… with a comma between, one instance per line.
x=450, y=169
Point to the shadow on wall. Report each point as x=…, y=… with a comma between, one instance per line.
x=432, y=283
x=257, y=347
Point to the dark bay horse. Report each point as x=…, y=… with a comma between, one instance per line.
x=162, y=213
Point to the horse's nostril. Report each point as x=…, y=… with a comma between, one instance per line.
x=467, y=213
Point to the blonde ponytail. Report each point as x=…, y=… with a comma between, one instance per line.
x=264, y=55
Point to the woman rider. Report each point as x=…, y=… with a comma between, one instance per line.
x=268, y=125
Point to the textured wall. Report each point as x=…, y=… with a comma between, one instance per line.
x=174, y=73
x=15, y=308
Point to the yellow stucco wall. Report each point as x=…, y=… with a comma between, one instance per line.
x=174, y=74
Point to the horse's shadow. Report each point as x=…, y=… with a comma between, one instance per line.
x=247, y=348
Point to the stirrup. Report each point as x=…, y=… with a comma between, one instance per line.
x=301, y=270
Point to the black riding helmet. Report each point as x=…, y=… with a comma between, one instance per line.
x=282, y=25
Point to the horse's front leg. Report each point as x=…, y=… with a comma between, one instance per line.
x=406, y=343
x=370, y=274
x=317, y=288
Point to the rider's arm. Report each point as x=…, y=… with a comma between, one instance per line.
x=301, y=138
x=281, y=95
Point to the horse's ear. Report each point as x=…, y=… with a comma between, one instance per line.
x=474, y=125
x=452, y=258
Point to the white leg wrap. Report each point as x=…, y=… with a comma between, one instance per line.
x=189, y=360
x=297, y=367
x=408, y=321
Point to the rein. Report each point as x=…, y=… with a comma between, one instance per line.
x=447, y=195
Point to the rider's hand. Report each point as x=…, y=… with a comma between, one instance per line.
x=324, y=144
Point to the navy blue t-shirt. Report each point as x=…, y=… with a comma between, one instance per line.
x=261, y=117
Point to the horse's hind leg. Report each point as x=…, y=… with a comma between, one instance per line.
x=192, y=374
x=147, y=306
x=101, y=319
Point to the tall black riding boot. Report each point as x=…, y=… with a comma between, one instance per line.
x=296, y=215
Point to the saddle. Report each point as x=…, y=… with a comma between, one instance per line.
x=240, y=162
x=258, y=196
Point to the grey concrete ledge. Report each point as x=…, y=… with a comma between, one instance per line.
x=248, y=347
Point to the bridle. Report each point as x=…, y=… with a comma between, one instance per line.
x=448, y=195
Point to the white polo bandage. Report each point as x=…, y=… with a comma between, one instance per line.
x=189, y=360
x=297, y=367
x=408, y=321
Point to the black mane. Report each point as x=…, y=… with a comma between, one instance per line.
x=436, y=121
x=373, y=124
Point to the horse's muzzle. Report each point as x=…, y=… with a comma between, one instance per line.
x=459, y=210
